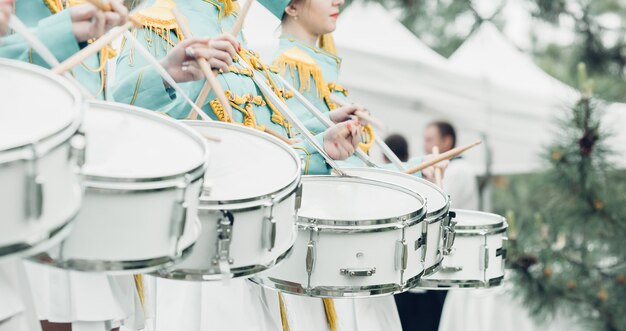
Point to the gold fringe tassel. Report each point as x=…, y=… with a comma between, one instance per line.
x=229, y=7
x=331, y=313
x=283, y=312
x=140, y=289
x=296, y=61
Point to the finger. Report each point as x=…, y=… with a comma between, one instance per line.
x=210, y=54
x=83, y=12
x=228, y=38
x=112, y=19
x=346, y=148
x=118, y=7
x=195, y=72
x=224, y=46
x=218, y=65
x=99, y=24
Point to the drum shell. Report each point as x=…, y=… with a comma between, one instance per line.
x=247, y=251
x=62, y=197
x=478, y=253
x=110, y=232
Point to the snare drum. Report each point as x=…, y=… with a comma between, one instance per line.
x=477, y=257
x=143, y=177
x=40, y=191
x=356, y=238
x=248, y=205
x=437, y=228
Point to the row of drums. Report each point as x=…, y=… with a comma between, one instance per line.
x=104, y=187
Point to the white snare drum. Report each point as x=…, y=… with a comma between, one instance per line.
x=477, y=257
x=40, y=191
x=438, y=228
x=248, y=205
x=143, y=177
x=356, y=238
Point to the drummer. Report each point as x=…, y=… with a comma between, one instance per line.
x=308, y=60
x=215, y=306
x=137, y=84
x=68, y=300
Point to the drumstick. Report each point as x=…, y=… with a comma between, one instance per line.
x=279, y=136
x=438, y=173
x=95, y=47
x=211, y=138
x=103, y=6
x=206, y=88
x=204, y=65
x=362, y=114
x=444, y=156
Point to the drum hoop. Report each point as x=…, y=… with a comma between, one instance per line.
x=239, y=272
x=29, y=247
x=122, y=267
x=434, y=268
x=493, y=228
x=143, y=186
x=337, y=291
x=369, y=226
x=150, y=115
x=434, y=215
x=399, y=220
x=295, y=180
x=72, y=125
x=432, y=284
x=463, y=232
x=284, y=193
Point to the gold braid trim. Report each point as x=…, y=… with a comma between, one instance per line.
x=297, y=61
x=327, y=43
x=334, y=87
x=331, y=313
x=283, y=312
x=367, y=135
x=219, y=111
x=55, y=6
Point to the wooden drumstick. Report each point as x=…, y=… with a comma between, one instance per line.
x=206, y=88
x=204, y=65
x=95, y=47
x=362, y=114
x=442, y=157
x=277, y=135
x=211, y=138
x=438, y=173
x=104, y=6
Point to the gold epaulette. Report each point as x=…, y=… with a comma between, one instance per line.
x=159, y=19
x=302, y=64
x=55, y=6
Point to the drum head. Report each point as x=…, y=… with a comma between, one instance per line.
x=436, y=199
x=36, y=104
x=355, y=199
x=132, y=143
x=246, y=163
x=476, y=220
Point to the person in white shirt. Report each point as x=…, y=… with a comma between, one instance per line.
x=460, y=180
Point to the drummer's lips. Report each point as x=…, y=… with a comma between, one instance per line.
x=335, y=16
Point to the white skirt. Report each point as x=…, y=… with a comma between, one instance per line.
x=17, y=310
x=308, y=314
x=199, y=306
x=91, y=301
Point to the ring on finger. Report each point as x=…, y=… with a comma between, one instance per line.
x=190, y=52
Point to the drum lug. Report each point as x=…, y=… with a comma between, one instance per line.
x=298, y=197
x=310, y=257
x=422, y=242
x=269, y=225
x=179, y=211
x=77, y=149
x=501, y=252
x=445, y=269
x=358, y=272
x=34, y=188
x=224, y=237
x=484, y=257
x=402, y=255
x=449, y=234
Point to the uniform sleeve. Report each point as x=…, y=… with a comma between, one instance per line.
x=138, y=83
x=314, y=163
x=309, y=120
x=54, y=31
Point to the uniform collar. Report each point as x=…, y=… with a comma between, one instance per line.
x=311, y=49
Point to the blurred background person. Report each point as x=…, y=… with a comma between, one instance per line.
x=399, y=146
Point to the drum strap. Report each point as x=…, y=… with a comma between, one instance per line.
x=283, y=312
x=331, y=313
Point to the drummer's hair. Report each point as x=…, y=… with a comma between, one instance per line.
x=445, y=130
x=399, y=146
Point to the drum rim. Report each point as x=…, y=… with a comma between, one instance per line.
x=494, y=228
x=432, y=284
x=337, y=291
x=66, y=131
x=225, y=204
x=239, y=272
x=150, y=115
x=125, y=267
x=240, y=206
x=399, y=221
x=431, y=215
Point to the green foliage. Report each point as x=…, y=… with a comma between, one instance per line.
x=568, y=226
